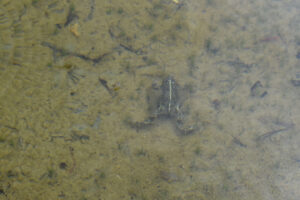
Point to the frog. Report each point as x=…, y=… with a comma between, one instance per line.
x=166, y=102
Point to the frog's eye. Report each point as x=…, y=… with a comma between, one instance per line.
x=155, y=86
x=160, y=107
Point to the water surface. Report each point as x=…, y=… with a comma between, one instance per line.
x=74, y=73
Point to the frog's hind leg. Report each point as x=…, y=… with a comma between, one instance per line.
x=184, y=128
x=146, y=124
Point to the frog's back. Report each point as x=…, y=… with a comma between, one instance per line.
x=168, y=102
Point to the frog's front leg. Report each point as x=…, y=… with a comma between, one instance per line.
x=186, y=129
x=142, y=125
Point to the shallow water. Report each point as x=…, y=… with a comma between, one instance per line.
x=75, y=78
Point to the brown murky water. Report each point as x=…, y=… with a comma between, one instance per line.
x=74, y=73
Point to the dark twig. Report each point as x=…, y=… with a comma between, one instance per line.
x=64, y=52
x=71, y=16
x=238, y=142
x=270, y=133
x=104, y=84
x=92, y=9
x=131, y=49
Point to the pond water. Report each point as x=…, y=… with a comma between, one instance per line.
x=149, y=99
